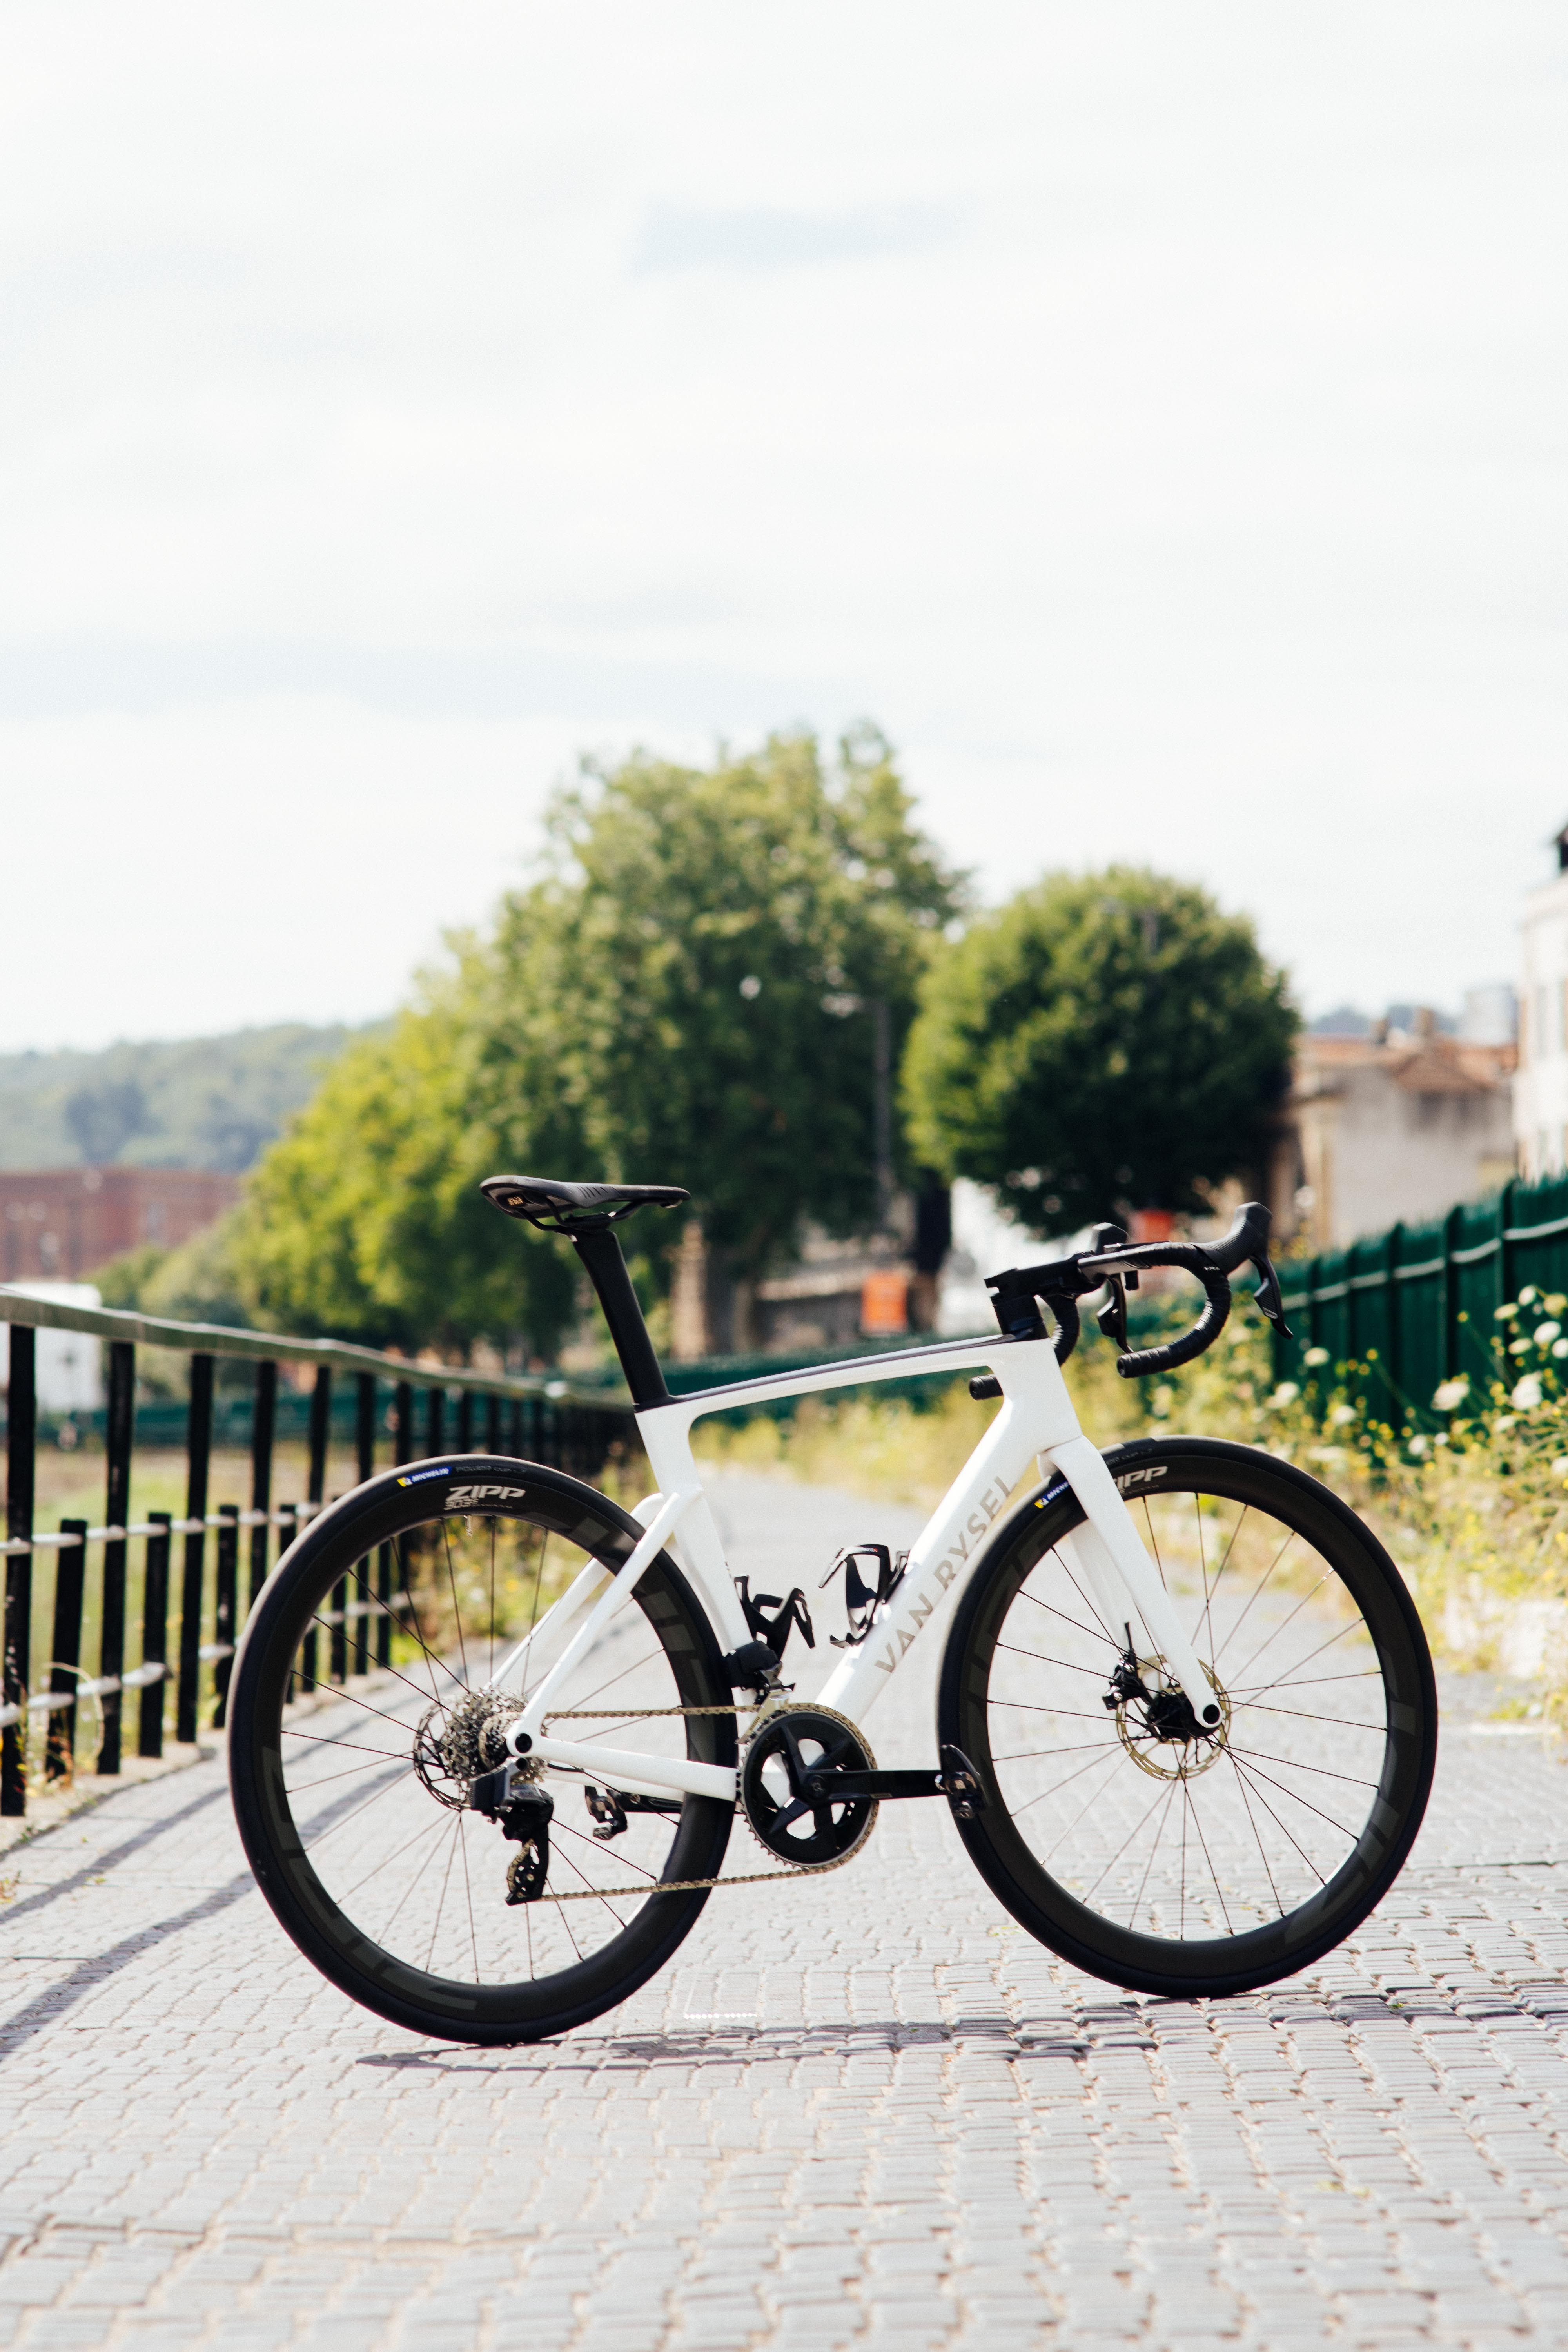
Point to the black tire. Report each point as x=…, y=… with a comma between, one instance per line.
x=1281, y=1848
x=386, y=1926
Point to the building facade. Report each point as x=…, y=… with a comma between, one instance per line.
x=57, y=1225
x=1540, y=1098
x=1397, y=1125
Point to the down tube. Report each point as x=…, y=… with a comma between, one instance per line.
x=944, y=1551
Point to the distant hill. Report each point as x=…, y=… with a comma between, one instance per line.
x=190, y=1102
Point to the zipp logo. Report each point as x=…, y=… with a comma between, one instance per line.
x=464, y=1498
x=1130, y=1479
x=976, y=1525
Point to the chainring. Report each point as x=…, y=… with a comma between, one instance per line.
x=789, y=1824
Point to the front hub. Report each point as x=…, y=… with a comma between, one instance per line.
x=1155, y=1723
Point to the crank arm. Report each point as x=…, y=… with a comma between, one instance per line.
x=957, y=1778
x=883, y=1785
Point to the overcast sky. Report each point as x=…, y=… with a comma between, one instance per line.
x=1156, y=418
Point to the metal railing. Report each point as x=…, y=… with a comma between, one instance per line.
x=463, y=1411
x=1420, y=1301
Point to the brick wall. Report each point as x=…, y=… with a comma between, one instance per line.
x=57, y=1225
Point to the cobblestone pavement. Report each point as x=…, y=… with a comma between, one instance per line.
x=865, y=2110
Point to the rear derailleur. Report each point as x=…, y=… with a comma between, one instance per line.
x=524, y=1813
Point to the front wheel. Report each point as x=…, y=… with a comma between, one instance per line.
x=1142, y=1848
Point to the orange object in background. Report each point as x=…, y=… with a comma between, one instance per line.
x=1154, y=1224
x=885, y=1304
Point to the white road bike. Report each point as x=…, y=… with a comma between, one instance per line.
x=1185, y=1726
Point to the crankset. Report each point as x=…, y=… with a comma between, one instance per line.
x=798, y=1746
x=810, y=1786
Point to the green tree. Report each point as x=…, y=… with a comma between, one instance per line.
x=692, y=995
x=363, y=1220
x=1105, y=1040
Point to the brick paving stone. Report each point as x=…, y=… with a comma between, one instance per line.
x=862, y=2112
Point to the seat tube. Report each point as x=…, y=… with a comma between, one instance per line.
x=600, y=1251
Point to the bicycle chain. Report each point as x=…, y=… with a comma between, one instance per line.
x=676, y=1886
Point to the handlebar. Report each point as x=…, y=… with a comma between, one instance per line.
x=1116, y=1263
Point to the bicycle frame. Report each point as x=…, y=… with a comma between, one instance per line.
x=1035, y=1418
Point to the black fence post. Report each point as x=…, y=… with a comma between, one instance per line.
x=492, y=1424
x=263, y=1425
x=198, y=1456
x=403, y=1421
x=287, y=1528
x=364, y=1425
x=228, y=1599
x=321, y=1435
x=436, y=1422
x=364, y=1446
x=154, y=1635
x=65, y=1648
x=320, y=1430
x=121, y=1433
x=464, y=1421
x=21, y=1436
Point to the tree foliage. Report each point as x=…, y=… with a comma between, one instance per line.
x=688, y=997
x=684, y=995
x=1106, y=1040
x=363, y=1220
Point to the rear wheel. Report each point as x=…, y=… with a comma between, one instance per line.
x=1137, y=1846
x=351, y=1796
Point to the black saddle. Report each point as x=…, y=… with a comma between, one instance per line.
x=557, y=1208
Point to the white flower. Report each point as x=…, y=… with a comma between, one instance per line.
x=1544, y=1333
x=1340, y=1414
x=1418, y=1446
x=1505, y=1314
x=1527, y=1294
x=1451, y=1393
x=1286, y=1393
x=1559, y=1467
x=1527, y=1394
x=1504, y=1421
x=1560, y=1346
x=1316, y=1356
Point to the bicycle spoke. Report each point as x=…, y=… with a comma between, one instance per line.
x=456, y=1605
x=1073, y=1621
x=1154, y=1850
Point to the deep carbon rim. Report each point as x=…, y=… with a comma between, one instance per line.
x=1307, y=1823
x=414, y=1923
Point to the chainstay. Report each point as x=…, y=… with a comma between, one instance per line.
x=675, y=1885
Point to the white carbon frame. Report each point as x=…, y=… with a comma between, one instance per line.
x=1036, y=1418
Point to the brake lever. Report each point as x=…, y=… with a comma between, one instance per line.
x=1112, y=1317
x=1267, y=1299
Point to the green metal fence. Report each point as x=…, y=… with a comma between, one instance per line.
x=1420, y=1300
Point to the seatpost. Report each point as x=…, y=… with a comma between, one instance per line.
x=600, y=1251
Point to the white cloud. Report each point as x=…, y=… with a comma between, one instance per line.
x=1155, y=418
